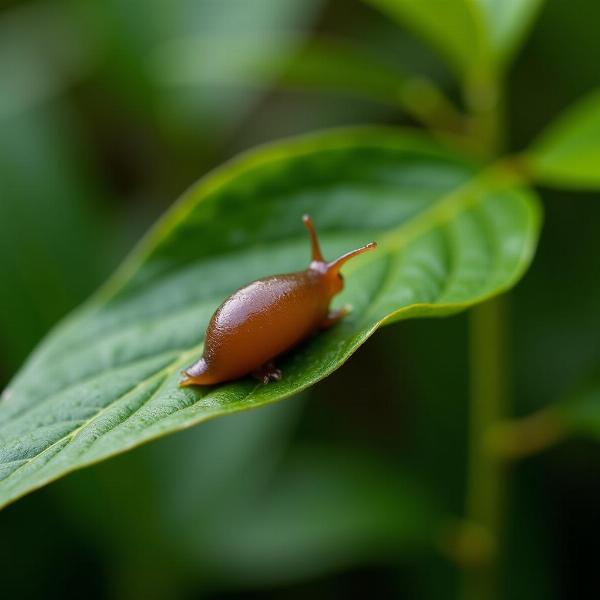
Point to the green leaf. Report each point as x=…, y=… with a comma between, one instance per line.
x=202, y=45
x=107, y=379
x=456, y=28
x=321, y=64
x=507, y=23
x=567, y=154
x=474, y=36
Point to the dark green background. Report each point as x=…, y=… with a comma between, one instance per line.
x=93, y=148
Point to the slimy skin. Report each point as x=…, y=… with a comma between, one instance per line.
x=268, y=317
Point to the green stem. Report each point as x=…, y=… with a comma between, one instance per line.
x=485, y=100
x=489, y=401
x=426, y=103
x=518, y=438
x=486, y=470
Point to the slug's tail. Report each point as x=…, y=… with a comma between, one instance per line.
x=197, y=374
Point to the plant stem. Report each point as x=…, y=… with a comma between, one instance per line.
x=489, y=393
x=486, y=470
x=426, y=103
x=517, y=438
x=485, y=100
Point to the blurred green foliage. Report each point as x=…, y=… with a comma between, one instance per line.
x=97, y=134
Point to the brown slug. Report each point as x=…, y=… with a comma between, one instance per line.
x=269, y=316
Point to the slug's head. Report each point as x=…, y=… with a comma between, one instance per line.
x=330, y=271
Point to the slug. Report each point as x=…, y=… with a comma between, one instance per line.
x=268, y=317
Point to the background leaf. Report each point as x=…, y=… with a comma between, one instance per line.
x=507, y=22
x=474, y=36
x=455, y=28
x=568, y=152
x=202, y=44
x=107, y=379
x=321, y=63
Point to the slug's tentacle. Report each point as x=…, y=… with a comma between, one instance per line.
x=314, y=240
x=335, y=265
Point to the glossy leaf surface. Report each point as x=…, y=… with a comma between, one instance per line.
x=106, y=380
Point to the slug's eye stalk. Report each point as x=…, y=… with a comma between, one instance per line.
x=332, y=268
x=336, y=265
x=314, y=241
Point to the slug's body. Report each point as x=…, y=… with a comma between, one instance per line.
x=268, y=317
